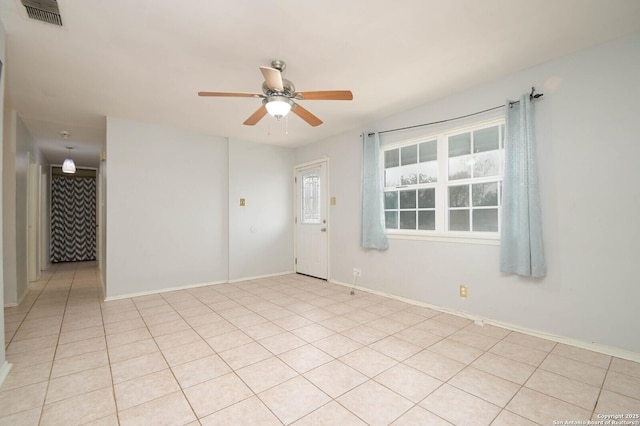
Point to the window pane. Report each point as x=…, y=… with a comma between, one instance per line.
x=460, y=145
x=427, y=198
x=409, y=155
x=392, y=177
x=486, y=139
x=458, y=220
x=427, y=220
x=391, y=220
x=485, y=220
x=460, y=167
x=408, y=199
x=391, y=158
x=409, y=174
x=311, y=197
x=485, y=194
x=486, y=164
x=391, y=200
x=459, y=196
x=428, y=172
x=428, y=151
x=408, y=220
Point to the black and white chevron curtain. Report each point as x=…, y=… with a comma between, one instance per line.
x=73, y=219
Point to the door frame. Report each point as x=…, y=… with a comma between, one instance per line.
x=296, y=203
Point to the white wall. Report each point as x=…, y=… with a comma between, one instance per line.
x=166, y=208
x=4, y=366
x=102, y=225
x=261, y=232
x=18, y=151
x=588, y=148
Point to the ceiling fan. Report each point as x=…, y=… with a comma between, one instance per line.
x=278, y=95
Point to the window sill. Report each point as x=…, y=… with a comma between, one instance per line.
x=490, y=239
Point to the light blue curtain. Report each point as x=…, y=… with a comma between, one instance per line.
x=372, y=233
x=521, y=250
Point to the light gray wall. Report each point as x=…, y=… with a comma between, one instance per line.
x=588, y=148
x=261, y=232
x=166, y=208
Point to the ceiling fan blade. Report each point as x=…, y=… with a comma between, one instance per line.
x=306, y=115
x=326, y=95
x=273, y=78
x=230, y=94
x=256, y=116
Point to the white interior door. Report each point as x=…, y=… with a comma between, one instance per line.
x=312, y=230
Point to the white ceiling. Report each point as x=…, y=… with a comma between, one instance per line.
x=146, y=60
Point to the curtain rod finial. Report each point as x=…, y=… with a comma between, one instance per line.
x=533, y=95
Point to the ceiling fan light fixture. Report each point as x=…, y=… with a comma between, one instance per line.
x=278, y=106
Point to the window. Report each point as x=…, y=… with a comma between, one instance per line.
x=446, y=184
x=311, y=197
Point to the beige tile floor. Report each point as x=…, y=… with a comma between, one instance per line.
x=285, y=350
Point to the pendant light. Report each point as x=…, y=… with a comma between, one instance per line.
x=68, y=166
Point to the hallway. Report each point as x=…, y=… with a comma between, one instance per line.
x=283, y=350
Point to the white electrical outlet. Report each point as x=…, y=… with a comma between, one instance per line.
x=357, y=272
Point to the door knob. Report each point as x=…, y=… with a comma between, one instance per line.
x=323, y=229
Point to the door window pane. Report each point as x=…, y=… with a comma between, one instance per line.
x=311, y=197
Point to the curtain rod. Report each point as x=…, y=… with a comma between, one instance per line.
x=532, y=96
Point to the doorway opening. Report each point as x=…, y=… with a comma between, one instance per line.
x=73, y=215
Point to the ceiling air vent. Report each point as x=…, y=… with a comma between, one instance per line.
x=43, y=10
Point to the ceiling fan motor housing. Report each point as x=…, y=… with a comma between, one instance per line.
x=289, y=89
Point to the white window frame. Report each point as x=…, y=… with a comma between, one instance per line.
x=441, y=233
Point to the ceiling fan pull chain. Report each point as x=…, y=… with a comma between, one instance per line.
x=286, y=124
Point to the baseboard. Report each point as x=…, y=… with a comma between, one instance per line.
x=257, y=277
x=4, y=371
x=186, y=287
x=20, y=299
x=595, y=347
x=162, y=290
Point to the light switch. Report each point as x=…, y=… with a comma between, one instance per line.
x=242, y=202
x=333, y=201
